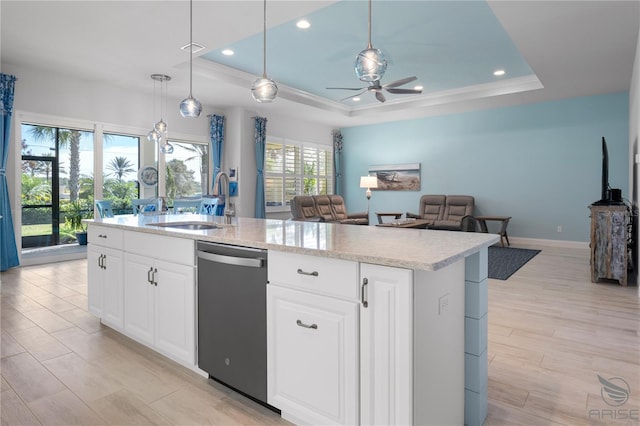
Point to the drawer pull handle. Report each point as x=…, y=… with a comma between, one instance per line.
x=301, y=324
x=313, y=274
x=364, y=293
x=102, y=236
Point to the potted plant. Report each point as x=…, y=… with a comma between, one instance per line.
x=75, y=213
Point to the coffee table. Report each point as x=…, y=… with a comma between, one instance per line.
x=395, y=215
x=405, y=223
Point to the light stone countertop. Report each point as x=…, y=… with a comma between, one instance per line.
x=427, y=250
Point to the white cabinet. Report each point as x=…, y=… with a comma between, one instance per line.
x=105, y=289
x=159, y=298
x=386, y=344
x=312, y=340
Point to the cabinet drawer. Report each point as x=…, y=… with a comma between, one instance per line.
x=105, y=237
x=332, y=277
x=172, y=249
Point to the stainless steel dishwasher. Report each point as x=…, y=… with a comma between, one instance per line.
x=232, y=317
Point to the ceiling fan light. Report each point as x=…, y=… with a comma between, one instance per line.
x=370, y=65
x=190, y=107
x=161, y=126
x=264, y=90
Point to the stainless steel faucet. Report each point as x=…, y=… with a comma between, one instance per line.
x=223, y=179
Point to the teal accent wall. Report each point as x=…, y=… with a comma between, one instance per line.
x=539, y=163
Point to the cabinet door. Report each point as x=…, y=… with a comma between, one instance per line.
x=174, y=308
x=95, y=275
x=113, y=312
x=312, y=357
x=138, y=297
x=386, y=345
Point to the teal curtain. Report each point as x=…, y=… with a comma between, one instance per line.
x=8, y=249
x=260, y=137
x=216, y=133
x=337, y=162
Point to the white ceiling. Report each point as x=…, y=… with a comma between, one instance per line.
x=573, y=48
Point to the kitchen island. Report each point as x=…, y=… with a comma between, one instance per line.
x=406, y=310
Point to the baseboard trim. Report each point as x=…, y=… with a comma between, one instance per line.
x=538, y=242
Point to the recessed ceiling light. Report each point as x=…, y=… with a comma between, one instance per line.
x=228, y=52
x=303, y=24
x=356, y=99
x=499, y=73
x=418, y=87
x=196, y=47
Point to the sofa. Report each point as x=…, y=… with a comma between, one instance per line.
x=325, y=208
x=447, y=212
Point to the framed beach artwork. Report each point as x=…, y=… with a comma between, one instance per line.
x=397, y=177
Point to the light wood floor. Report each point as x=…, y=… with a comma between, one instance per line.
x=551, y=332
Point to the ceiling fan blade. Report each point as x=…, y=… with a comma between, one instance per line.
x=400, y=82
x=345, y=88
x=403, y=91
x=353, y=96
x=380, y=97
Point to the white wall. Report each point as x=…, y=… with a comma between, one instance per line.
x=634, y=129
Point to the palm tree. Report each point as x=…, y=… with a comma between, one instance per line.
x=200, y=151
x=66, y=137
x=120, y=167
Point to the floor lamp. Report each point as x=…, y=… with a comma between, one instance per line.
x=368, y=182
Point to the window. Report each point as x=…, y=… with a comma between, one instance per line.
x=57, y=177
x=187, y=170
x=120, y=170
x=295, y=168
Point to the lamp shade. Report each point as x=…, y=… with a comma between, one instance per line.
x=368, y=182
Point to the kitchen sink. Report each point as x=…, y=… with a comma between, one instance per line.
x=193, y=226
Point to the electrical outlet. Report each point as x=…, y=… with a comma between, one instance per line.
x=559, y=229
x=443, y=304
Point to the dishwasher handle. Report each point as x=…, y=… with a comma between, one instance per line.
x=253, y=262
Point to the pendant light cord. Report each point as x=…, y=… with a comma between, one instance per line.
x=154, y=98
x=369, y=46
x=264, y=41
x=190, y=48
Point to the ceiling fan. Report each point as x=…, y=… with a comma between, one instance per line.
x=370, y=67
x=377, y=88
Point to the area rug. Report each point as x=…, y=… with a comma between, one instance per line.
x=505, y=261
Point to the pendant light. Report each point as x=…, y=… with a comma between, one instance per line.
x=190, y=107
x=264, y=90
x=153, y=134
x=370, y=63
x=159, y=131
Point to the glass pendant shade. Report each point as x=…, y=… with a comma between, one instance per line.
x=153, y=136
x=264, y=90
x=161, y=126
x=190, y=107
x=370, y=65
x=167, y=148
